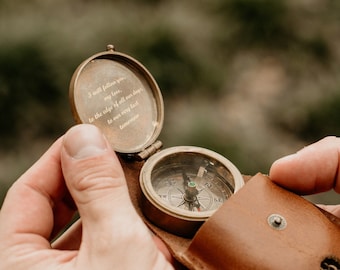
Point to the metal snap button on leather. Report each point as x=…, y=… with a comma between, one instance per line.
x=277, y=222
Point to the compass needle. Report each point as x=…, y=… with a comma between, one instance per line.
x=182, y=202
x=180, y=190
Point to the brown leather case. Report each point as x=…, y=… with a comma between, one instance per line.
x=239, y=235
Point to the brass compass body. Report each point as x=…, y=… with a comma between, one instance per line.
x=181, y=186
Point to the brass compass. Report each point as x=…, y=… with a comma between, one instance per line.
x=181, y=186
x=185, y=185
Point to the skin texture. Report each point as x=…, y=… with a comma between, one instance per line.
x=311, y=170
x=79, y=171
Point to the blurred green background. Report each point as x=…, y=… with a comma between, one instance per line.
x=251, y=79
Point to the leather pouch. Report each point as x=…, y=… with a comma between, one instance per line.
x=262, y=226
x=241, y=234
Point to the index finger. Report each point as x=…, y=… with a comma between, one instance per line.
x=312, y=170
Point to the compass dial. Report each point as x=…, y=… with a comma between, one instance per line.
x=199, y=191
x=185, y=185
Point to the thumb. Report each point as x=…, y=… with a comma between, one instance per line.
x=97, y=184
x=92, y=173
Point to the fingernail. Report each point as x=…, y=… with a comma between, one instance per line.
x=84, y=141
x=281, y=161
x=287, y=158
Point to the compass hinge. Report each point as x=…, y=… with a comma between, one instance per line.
x=153, y=148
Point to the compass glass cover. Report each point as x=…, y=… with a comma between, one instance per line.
x=191, y=182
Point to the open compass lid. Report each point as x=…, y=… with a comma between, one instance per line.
x=119, y=95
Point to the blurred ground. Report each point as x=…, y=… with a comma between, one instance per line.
x=251, y=79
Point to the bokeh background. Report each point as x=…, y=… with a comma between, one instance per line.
x=251, y=79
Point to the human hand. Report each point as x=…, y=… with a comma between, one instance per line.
x=79, y=171
x=313, y=169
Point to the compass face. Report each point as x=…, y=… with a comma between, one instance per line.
x=189, y=182
x=196, y=188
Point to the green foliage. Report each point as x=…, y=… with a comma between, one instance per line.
x=175, y=69
x=321, y=120
x=28, y=92
x=267, y=25
x=318, y=48
x=210, y=52
x=262, y=23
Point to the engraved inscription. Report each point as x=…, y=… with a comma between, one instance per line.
x=119, y=101
x=129, y=106
x=119, y=105
x=105, y=87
